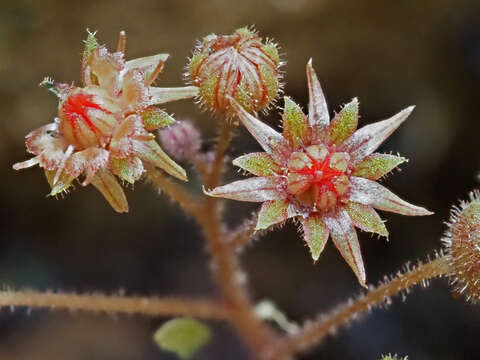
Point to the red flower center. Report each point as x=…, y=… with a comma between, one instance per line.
x=316, y=177
x=320, y=173
x=87, y=118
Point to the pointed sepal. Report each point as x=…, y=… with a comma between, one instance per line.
x=151, y=152
x=376, y=165
x=371, y=193
x=108, y=186
x=344, y=123
x=259, y=164
x=315, y=234
x=129, y=169
x=296, y=129
x=366, y=218
x=62, y=184
x=149, y=65
x=345, y=239
x=269, y=139
x=367, y=139
x=165, y=95
x=91, y=44
x=272, y=212
x=318, y=116
x=255, y=189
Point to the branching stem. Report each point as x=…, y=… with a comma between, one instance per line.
x=314, y=332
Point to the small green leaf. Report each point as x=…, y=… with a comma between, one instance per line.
x=377, y=165
x=62, y=184
x=393, y=357
x=154, y=118
x=272, y=212
x=91, y=44
x=366, y=218
x=260, y=164
x=295, y=124
x=183, y=336
x=344, y=123
x=315, y=234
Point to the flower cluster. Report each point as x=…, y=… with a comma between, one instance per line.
x=322, y=173
x=103, y=128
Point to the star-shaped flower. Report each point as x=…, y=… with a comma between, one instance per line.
x=103, y=128
x=321, y=172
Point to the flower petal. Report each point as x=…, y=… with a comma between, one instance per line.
x=371, y=193
x=89, y=160
x=131, y=138
x=62, y=184
x=134, y=92
x=152, y=152
x=147, y=64
x=272, y=212
x=270, y=140
x=259, y=163
x=164, y=95
x=317, y=107
x=345, y=238
x=255, y=189
x=154, y=118
x=367, y=139
x=27, y=163
x=315, y=233
x=376, y=165
x=129, y=169
x=106, y=183
x=106, y=67
x=365, y=218
x=344, y=123
x=295, y=124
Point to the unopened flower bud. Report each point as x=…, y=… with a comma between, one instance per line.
x=181, y=140
x=463, y=244
x=240, y=66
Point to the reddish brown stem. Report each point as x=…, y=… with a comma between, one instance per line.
x=314, y=332
x=187, y=201
x=226, y=270
x=115, y=304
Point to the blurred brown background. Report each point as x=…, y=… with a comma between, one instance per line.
x=388, y=53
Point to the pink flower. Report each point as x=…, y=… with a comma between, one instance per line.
x=322, y=173
x=103, y=128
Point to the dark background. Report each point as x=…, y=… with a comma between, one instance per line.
x=388, y=53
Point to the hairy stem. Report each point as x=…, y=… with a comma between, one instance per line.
x=217, y=166
x=226, y=268
x=312, y=333
x=178, y=194
x=243, y=234
x=206, y=309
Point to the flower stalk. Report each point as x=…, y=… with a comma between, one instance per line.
x=313, y=332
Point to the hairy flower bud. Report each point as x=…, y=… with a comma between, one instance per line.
x=463, y=243
x=238, y=65
x=181, y=140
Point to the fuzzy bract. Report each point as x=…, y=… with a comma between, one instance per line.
x=103, y=127
x=322, y=172
x=463, y=247
x=238, y=65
